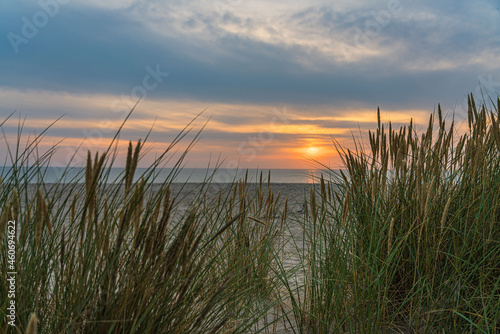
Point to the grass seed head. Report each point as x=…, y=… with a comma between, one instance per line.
x=15, y=204
x=32, y=324
x=4, y=218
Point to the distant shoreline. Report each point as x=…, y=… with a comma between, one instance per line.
x=172, y=175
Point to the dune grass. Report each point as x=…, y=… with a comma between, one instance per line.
x=405, y=238
x=120, y=256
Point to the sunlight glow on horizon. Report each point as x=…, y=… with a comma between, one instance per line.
x=256, y=141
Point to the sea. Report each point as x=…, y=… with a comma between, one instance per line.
x=174, y=175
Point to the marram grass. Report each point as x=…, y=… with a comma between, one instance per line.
x=121, y=257
x=412, y=241
x=404, y=239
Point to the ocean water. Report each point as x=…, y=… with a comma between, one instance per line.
x=185, y=175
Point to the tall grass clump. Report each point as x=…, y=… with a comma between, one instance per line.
x=99, y=255
x=406, y=236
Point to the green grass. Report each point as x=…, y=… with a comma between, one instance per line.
x=407, y=236
x=121, y=256
x=405, y=239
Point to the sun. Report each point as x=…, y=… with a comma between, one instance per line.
x=312, y=150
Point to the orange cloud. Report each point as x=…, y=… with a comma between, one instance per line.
x=262, y=136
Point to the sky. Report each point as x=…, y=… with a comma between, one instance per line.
x=276, y=82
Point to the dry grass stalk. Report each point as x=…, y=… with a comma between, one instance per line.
x=427, y=208
x=374, y=188
x=15, y=205
x=47, y=219
x=131, y=165
x=258, y=221
x=32, y=324
x=128, y=167
x=156, y=210
x=162, y=224
x=469, y=111
x=323, y=188
x=42, y=219
x=137, y=203
x=443, y=222
x=88, y=173
x=4, y=219
x=92, y=174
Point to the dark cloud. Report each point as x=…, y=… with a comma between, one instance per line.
x=89, y=50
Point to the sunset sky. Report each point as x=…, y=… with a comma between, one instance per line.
x=278, y=80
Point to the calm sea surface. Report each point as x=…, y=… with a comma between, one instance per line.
x=185, y=175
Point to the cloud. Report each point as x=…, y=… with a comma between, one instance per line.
x=241, y=59
x=422, y=54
